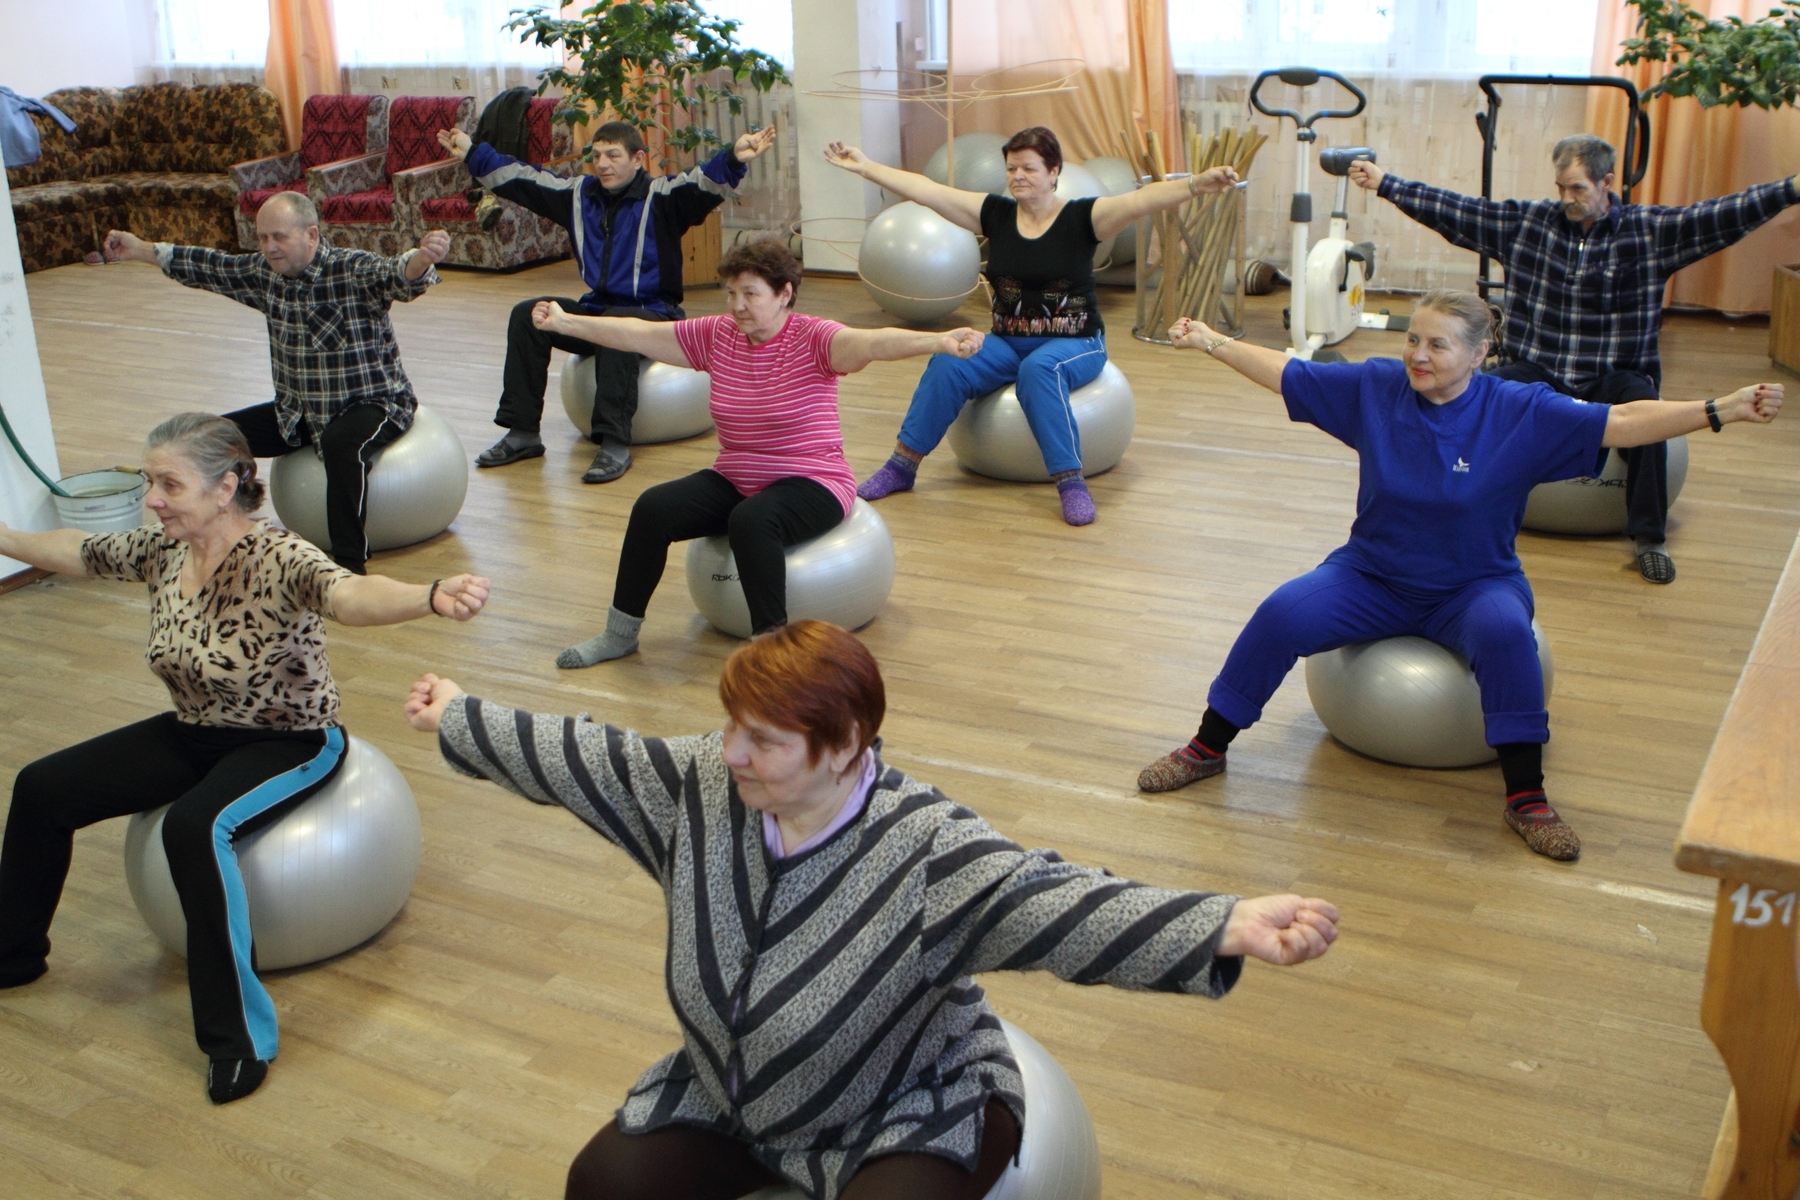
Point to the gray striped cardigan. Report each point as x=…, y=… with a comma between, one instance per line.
x=825, y=1000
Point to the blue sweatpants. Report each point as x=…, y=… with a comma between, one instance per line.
x=1047, y=371
x=1488, y=622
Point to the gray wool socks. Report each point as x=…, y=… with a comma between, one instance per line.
x=619, y=639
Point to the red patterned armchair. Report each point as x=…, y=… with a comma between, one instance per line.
x=331, y=128
x=521, y=236
x=362, y=200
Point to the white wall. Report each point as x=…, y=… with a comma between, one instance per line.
x=50, y=44
x=24, y=502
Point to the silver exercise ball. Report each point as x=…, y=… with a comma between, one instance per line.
x=1407, y=700
x=416, y=487
x=1059, y=1156
x=1596, y=504
x=1076, y=182
x=843, y=576
x=321, y=879
x=673, y=402
x=1118, y=177
x=980, y=166
x=917, y=265
x=991, y=436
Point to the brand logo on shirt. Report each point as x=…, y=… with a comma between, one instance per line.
x=1461, y=467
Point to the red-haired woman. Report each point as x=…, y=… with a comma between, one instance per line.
x=820, y=957
x=1047, y=337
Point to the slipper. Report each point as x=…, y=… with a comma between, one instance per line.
x=607, y=466
x=503, y=452
x=1656, y=566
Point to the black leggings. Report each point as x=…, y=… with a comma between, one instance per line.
x=223, y=783
x=1646, y=467
x=348, y=447
x=704, y=504
x=679, y=1162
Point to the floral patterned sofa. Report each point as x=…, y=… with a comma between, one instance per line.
x=521, y=236
x=331, y=128
x=154, y=159
x=365, y=203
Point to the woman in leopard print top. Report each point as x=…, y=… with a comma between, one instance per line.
x=236, y=632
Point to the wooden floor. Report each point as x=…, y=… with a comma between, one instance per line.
x=1490, y=1025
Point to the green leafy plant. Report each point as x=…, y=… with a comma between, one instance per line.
x=654, y=63
x=1728, y=61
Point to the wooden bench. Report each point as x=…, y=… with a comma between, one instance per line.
x=1743, y=828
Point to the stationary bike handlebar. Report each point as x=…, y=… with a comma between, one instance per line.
x=1305, y=77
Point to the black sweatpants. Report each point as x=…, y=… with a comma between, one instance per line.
x=528, y=369
x=704, y=504
x=222, y=782
x=349, y=447
x=1646, y=467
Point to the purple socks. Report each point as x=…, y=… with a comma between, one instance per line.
x=897, y=474
x=1077, y=501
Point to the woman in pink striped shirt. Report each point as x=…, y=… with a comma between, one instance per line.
x=781, y=476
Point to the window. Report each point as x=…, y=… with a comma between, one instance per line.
x=433, y=32
x=766, y=25
x=212, y=32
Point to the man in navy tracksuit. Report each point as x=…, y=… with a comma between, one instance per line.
x=626, y=228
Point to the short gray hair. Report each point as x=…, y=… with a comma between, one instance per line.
x=1469, y=311
x=1596, y=155
x=297, y=205
x=213, y=446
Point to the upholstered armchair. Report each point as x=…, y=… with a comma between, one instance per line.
x=331, y=128
x=358, y=197
x=439, y=195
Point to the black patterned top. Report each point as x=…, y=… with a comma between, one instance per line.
x=248, y=649
x=825, y=1000
x=1043, y=286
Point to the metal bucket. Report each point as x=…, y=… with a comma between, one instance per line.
x=102, y=501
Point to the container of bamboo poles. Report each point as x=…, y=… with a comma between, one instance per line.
x=1194, y=241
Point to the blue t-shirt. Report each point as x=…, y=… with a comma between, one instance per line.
x=1443, y=486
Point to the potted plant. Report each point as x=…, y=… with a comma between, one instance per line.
x=1730, y=61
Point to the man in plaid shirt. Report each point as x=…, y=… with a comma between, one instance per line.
x=1585, y=276
x=339, y=385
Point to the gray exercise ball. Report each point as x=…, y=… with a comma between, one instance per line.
x=917, y=265
x=1407, y=700
x=1118, y=177
x=843, y=576
x=416, y=487
x=1596, y=504
x=321, y=879
x=980, y=167
x=673, y=402
x=1059, y=1156
x=991, y=436
x=1076, y=182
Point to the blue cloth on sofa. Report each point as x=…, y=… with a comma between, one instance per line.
x=19, y=144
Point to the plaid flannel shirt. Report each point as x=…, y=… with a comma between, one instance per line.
x=1583, y=304
x=331, y=344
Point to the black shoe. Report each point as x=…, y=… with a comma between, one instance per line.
x=229, y=1079
x=1656, y=566
x=507, y=451
x=608, y=465
x=18, y=974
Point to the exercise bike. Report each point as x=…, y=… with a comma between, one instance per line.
x=1327, y=303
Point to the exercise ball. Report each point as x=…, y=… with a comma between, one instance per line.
x=1118, y=177
x=1407, y=700
x=843, y=576
x=673, y=402
x=1059, y=1156
x=980, y=167
x=991, y=436
x=1596, y=504
x=1076, y=182
x=416, y=487
x=322, y=878
x=917, y=265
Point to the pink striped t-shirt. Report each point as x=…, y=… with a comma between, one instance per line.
x=775, y=404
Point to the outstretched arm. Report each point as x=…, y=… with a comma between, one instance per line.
x=953, y=204
x=378, y=600
x=1258, y=364
x=1484, y=226
x=1113, y=213
x=57, y=550
x=1643, y=422
x=854, y=349
x=652, y=339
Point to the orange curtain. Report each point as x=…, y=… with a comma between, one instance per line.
x=303, y=58
x=1698, y=153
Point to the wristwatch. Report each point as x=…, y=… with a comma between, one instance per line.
x=1712, y=416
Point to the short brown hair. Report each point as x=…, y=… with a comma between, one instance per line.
x=620, y=133
x=810, y=677
x=766, y=258
x=1036, y=138
x=1596, y=155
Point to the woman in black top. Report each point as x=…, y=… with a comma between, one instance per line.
x=1047, y=335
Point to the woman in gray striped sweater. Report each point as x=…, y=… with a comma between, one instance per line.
x=826, y=914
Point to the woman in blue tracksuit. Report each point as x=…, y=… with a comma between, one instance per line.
x=1448, y=456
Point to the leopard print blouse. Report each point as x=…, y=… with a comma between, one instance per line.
x=248, y=649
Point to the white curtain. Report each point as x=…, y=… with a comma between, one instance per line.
x=435, y=47
x=209, y=41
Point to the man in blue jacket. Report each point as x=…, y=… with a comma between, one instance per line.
x=625, y=226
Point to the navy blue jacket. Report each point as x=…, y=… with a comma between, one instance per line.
x=630, y=256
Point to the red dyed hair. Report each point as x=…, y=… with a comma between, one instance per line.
x=810, y=677
x=1039, y=139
